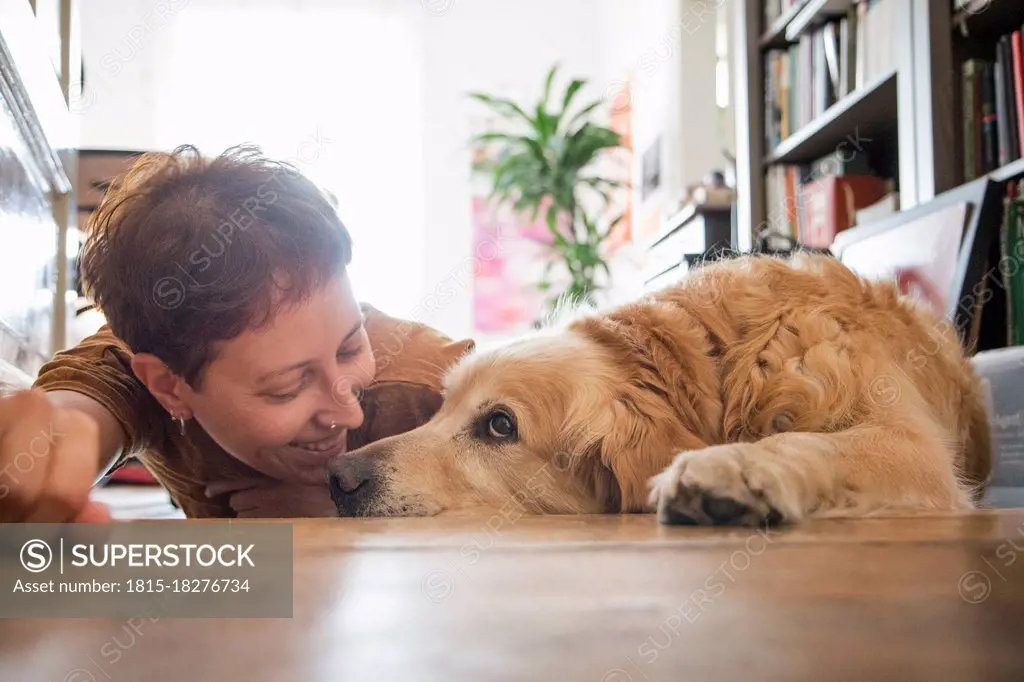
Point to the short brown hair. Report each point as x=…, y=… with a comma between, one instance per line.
x=187, y=251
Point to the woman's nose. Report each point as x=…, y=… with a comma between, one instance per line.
x=346, y=408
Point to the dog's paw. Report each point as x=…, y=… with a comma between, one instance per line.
x=735, y=484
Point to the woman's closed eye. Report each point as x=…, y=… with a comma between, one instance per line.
x=345, y=354
x=288, y=393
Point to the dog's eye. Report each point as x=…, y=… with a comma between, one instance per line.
x=500, y=425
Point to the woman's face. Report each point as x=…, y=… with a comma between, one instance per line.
x=271, y=396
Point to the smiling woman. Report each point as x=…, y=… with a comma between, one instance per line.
x=262, y=365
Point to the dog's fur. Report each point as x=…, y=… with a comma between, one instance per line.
x=757, y=390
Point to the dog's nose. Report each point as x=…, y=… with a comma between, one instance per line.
x=350, y=479
x=347, y=474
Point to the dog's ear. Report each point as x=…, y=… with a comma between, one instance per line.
x=579, y=456
x=642, y=442
x=625, y=450
x=592, y=478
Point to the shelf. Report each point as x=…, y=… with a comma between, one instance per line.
x=683, y=217
x=810, y=14
x=989, y=18
x=815, y=13
x=775, y=36
x=1008, y=173
x=868, y=111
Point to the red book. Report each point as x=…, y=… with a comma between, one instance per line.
x=1018, y=79
x=830, y=206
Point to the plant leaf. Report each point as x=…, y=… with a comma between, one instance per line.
x=547, y=85
x=583, y=112
x=612, y=225
x=552, y=222
x=506, y=107
x=570, y=92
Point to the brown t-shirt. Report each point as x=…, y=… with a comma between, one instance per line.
x=406, y=392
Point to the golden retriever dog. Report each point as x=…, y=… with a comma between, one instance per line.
x=759, y=390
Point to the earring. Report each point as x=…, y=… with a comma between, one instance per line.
x=181, y=423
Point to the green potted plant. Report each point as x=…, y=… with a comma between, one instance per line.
x=542, y=161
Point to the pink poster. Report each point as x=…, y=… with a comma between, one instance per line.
x=511, y=255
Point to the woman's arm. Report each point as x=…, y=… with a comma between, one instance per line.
x=111, y=435
x=96, y=378
x=87, y=410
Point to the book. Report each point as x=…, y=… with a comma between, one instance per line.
x=830, y=206
x=1011, y=246
x=989, y=126
x=970, y=105
x=1012, y=113
x=825, y=64
x=1002, y=110
x=883, y=208
x=1017, y=50
x=992, y=103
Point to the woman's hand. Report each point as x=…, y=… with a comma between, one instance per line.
x=269, y=498
x=48, y=461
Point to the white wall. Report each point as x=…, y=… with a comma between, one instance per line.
x=121, y=45
x=666, y=50
x=332, y=87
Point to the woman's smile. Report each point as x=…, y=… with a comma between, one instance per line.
x=307, y=460
x=329, y=444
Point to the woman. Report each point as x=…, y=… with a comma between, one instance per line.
x=236, y=361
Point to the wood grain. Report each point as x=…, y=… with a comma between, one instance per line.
x=609, y=599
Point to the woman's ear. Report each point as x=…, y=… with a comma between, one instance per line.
x=166, y=386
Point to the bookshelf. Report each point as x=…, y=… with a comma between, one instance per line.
x=986, y=43
x=977, y=29
x=867, y=111
x=944, y=110
x=775, y=34
x=902, y=97
x=987, y=18
x=814, y=13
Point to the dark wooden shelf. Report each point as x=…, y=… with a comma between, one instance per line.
x=871, y=110
x=989, y=18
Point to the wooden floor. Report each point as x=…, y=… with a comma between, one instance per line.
x=603, y=599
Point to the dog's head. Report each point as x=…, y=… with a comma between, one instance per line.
x=548, y=425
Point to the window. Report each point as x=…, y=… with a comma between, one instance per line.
x=334, y=89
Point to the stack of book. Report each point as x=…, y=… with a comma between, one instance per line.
x=812, y=203
x=826, y=64
x=993, y=108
